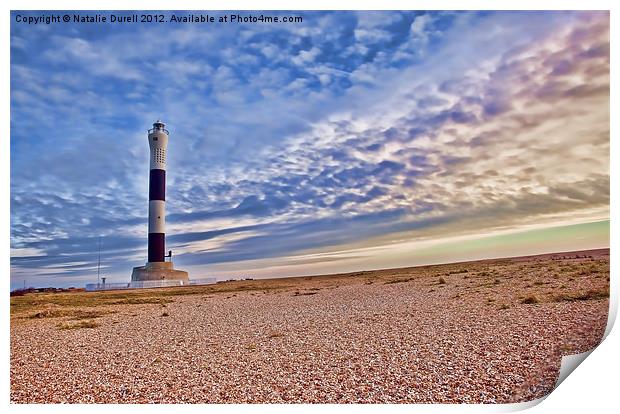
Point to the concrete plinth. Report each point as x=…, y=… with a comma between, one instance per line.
x=158, y=271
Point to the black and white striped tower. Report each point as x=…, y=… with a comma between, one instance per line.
x=157, y=268
x=158, y=142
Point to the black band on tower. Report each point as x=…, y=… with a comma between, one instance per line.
x=156, y=247
x=157, y=185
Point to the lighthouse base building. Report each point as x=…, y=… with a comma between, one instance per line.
x=158, y=271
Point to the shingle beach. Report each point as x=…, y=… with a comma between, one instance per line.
x=488, y=331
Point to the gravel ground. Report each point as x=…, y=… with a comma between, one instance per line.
x=391, y=336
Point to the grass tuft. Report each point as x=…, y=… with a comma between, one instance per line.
x=141, y=301
x=78, y=325
x=589, y=295
x=298, y=293
x=71, y=313
x=392, y=281
x=530, y=300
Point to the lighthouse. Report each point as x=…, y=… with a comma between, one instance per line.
x=157, y=268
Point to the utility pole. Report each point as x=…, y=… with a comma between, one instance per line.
x=99, y=262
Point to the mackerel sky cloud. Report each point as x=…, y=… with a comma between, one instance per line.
x=353, y=140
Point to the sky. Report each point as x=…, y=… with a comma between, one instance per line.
x=349, y=141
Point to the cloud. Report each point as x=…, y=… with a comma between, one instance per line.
x=417, y=30
x=27, y=252
x=306, y=56
x=96, y=59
